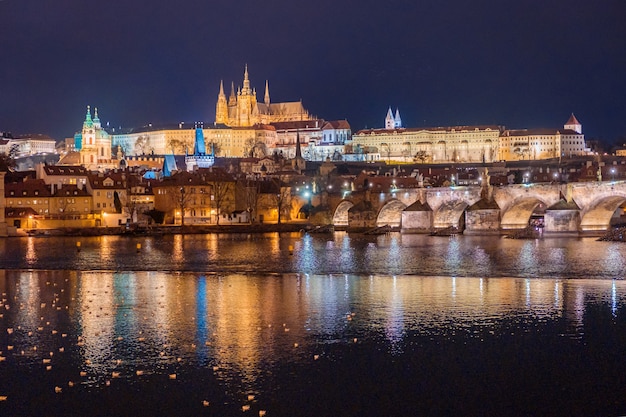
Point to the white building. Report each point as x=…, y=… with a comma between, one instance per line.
x=531, y=144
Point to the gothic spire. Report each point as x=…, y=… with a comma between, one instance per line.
x=267, y=93
x=246, y=81
x=221, y=94
x=298, y=150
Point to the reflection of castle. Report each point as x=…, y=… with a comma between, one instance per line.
x=244, y=110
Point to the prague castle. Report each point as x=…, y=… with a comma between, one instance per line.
x=243, y=109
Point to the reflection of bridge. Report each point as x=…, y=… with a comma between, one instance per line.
x=566, y=208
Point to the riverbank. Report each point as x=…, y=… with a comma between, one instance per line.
x=168, y=230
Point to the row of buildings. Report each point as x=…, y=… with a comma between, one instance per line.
x=246, y=127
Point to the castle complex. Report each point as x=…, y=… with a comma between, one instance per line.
x=245, y=127
x=243, y=109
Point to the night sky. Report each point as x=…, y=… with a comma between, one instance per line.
x=521, y=64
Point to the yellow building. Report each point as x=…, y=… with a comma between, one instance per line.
x=527, y=144
x=243, y=109
x=196, y=198
x=436, y=145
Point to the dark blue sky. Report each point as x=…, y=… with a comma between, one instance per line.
x=520, y=64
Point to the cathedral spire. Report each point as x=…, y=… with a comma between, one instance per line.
x=397, y=121
x=298, y=149
x=389, y=120
x=221, y=94
x=246, y=81
x=232, y=99
x=267, y=93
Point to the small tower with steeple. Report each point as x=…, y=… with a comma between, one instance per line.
x=397, y=121
x=389, y=120
x=573, y=124
x=298, y=163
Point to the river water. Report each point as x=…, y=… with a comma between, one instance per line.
x=312, y=325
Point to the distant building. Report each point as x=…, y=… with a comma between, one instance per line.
x=93, y=145
x=243, y=109
x=427, y=144
x=391, y=121
x=463, y=144
x=526, y=144
x=27, y=145
x=200, y=157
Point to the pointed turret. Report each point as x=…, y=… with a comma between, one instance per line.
x=221, y=108
x=298, y=149
x=88, y=122
x=246, y=82
x=397, y=121
x=573, y=124
x=298, y=163
x=267, y=93
x=232, y=99
x=389, y=120
x=96, y=119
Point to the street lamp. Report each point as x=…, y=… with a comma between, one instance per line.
x=613, y=174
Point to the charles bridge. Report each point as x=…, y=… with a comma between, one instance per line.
x=570, y=208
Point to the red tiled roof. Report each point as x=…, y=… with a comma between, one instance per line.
x=572, y=120
x=336, y=124
x=28, y=188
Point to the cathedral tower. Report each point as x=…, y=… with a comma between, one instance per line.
x=389, y=120
x=221, y=108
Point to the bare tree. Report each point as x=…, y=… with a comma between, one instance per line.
x=250, y=190
x=421, y=156
x=248, y=147
x=142, y=145
x=282, y=198
x=6, y=162
x=180, y=197
x=385, y=149
x=406, y=152
x=177, y=146
x=221, y=195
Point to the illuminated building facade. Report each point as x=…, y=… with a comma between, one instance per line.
x=93, y=144
x=243, y=109
x=435, y=144
x=526, y=144
x=467, y=144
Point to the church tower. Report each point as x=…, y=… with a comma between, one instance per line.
x=298, y=163
x=573, y=124
x=246, y=102
x=88, y=148
x=389, y=120
x=397, y=121
x=221, y=108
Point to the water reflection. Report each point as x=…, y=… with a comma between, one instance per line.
x=238, y=329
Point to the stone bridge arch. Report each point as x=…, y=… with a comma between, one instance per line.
x=519, y=212
x=391, y=214
x=340, y=218
x=450, y=214
x=598, y=215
